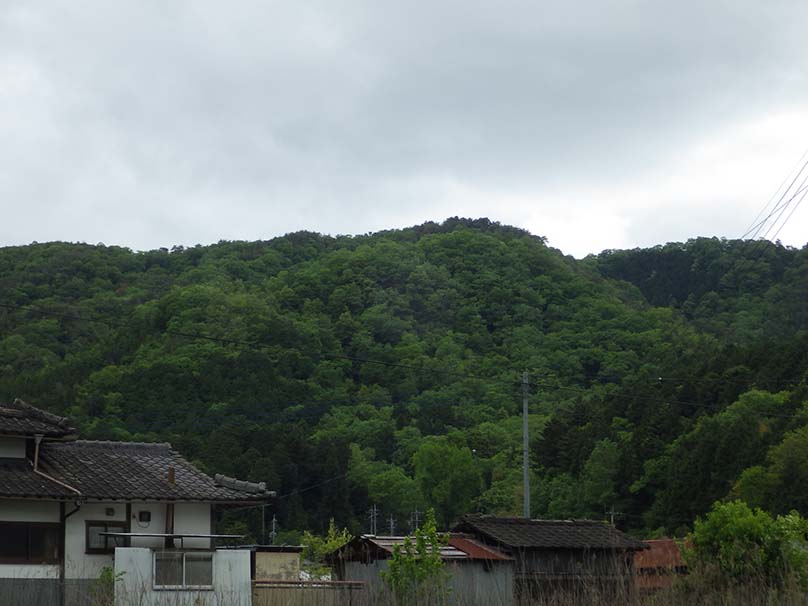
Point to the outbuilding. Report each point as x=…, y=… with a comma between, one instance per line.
x=478, y=573
x=558, y=556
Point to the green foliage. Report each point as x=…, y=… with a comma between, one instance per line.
x=734, y=543
x=448, y=477
x=102, y=589
x=316, y=548
x=782, y=483
x=388, y=368
x=416, y=573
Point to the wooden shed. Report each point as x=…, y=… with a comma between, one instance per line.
x=478, y=573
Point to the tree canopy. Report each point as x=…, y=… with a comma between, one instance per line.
x=384, y=369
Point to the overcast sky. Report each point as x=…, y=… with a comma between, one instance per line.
x=598, y=123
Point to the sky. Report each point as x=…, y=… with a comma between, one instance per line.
x=597, y=124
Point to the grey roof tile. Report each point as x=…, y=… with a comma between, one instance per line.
x=522, y=533
x=17, y=479
x=19, y=418
x=134, y=471
x=107, y=470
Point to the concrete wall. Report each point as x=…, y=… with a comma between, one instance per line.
x=12, y=448
x=134, y=570
x=277, y=566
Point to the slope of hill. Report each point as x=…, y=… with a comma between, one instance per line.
x=384, y=369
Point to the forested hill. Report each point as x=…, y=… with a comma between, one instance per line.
x=384, y=369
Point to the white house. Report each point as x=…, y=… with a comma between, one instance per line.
x=67, y=504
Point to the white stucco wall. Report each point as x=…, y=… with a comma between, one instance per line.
x=191, y=518
x=78, y=564
x=12, y=510
x=12, y=448
x=134, y=570
x=157, y=523
x=18, y=510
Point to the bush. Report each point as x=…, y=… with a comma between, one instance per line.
x=736, y=544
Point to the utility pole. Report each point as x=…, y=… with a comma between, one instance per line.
x=392, y=523
x=415, y=520
x=525, y=449
x=612, y=514
x=373, y=514
x=274, y=532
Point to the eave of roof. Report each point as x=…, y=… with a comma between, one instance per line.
x=21, y=419
x=119, y=471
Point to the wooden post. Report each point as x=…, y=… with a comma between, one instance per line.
x=169, y=542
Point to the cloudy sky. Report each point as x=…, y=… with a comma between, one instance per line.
x=598, y=123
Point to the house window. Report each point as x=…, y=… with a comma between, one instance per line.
x=29, y=543
x=183, y=570
x=96, y=542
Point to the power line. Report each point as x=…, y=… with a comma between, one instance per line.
x=782, y=204
x=774, y=195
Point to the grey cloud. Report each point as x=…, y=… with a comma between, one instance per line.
x=149, y=123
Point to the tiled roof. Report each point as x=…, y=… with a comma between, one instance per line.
x=19, y=418
x=17, y=479
x=131, y=471
x=522, y=533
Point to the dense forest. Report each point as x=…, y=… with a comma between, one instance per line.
x=385, y=369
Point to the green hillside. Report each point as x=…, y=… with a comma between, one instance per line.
x=384, y=369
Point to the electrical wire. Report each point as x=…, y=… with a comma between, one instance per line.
x=774, y=195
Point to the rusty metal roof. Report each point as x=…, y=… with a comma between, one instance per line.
x=661, y=554
x=458, y=547
x=475, y=550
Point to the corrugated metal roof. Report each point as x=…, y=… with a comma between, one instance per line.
x=458, y=547
x=476, y=550
x=447, y=552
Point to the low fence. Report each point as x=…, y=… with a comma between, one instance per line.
x=50, y=592
x=310, y=593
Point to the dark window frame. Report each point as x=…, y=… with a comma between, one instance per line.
x=117, y=526
x=29, y=559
